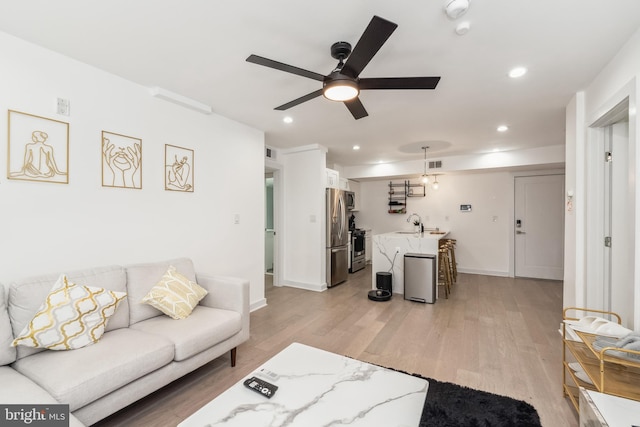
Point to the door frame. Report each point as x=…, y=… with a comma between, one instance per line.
x=278, y=172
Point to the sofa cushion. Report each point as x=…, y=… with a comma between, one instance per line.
x=25, y=296
x=142, y=277
x=71, y=317
x=25, y=391
x=204, y=328
x=7, y=353
x=175, y=295
x=81, y=376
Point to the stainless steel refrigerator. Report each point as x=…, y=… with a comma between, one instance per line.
x=337, y=237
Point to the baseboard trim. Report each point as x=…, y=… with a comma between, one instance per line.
x=307, y=286
x=258, y=305
x=483, y=272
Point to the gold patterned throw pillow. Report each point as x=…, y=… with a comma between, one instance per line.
x=71, y=317
x=175, y=295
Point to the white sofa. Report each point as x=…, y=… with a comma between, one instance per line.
x=141, y=351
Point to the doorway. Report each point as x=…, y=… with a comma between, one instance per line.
x=609, y=215
x=539, y=226
x=272, y=211
x=269, y=240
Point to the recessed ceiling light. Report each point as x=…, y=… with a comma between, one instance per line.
x=517, y=72
x=288, y=119
x=502, y=128
x=356, y=147
x=496, y=150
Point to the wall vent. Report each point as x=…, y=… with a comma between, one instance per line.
x=435, y=164
x=270, y=153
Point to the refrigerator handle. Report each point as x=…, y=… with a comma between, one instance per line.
x=341, y=216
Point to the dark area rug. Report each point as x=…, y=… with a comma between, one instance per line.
x=452, y=405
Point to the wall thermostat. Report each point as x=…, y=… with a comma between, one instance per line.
x=465, y=208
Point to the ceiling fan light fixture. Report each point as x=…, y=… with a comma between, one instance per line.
x=342, y=89
x=456, y=8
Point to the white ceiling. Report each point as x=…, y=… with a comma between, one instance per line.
x=197, y=48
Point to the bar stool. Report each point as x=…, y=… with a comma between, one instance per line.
x=450, y=244
x=444, y=270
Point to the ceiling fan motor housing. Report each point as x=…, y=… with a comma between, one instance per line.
x=340, y=50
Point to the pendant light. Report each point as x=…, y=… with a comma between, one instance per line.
x=425, y=177
x=435, y=184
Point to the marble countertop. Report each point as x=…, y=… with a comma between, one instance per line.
x=410, y=234
x=318, y=388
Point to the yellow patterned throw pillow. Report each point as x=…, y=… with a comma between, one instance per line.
x=71, y=317
x=175, y=295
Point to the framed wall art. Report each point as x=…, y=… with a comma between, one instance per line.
x=178, y=168
x=121, y=161
x=38, y=148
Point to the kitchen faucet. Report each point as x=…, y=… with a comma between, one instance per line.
x=419, y=220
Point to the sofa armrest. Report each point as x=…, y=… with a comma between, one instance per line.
x=229, y=293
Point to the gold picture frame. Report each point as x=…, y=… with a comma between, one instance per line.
x=40, y=148
x=121, y=161
x=178, y=168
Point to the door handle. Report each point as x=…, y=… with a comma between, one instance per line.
x=520, y=232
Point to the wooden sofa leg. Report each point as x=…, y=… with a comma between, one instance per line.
x=233, y=356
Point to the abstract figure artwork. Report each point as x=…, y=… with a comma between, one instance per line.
x=121, y=161
x=178, y=167
x=38, y=148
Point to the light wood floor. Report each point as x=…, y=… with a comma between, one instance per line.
x=495, y=334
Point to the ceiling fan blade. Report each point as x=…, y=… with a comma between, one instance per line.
x=374, y=36
x=356, y=108
x=399, y=83
x=284, y=67
x=300, y=100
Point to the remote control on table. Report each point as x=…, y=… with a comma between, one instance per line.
x=261, y=387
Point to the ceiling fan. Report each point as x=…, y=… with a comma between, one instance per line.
x=343, y=83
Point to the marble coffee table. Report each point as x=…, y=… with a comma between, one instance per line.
x=318, y=388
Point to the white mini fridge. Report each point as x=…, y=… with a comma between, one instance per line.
x=420, y=281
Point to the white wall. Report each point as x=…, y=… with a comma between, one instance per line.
x=618, y=80
x=49, y=228
x=483, y=234
x=303, y=221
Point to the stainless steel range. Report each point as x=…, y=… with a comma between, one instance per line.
x=357, y=250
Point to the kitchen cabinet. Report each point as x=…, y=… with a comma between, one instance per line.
x=601, y=371
x=368, y=245
x=333, y=178
x=344, y=184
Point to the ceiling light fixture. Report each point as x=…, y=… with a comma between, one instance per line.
x=517, y=72
x=463, y=28
x=356, y=147
x=456, y=8
x=502, y=128
x=340, y=88
x=425, y=177
x=288, y=120
x=435, y=184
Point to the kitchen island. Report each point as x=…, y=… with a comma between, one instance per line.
x=386, y=245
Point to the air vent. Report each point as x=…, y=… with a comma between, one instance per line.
x=435, y=164
x=270, y=153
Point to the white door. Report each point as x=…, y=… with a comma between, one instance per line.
x=539, y=226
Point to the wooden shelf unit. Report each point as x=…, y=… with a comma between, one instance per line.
x=610, y=374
